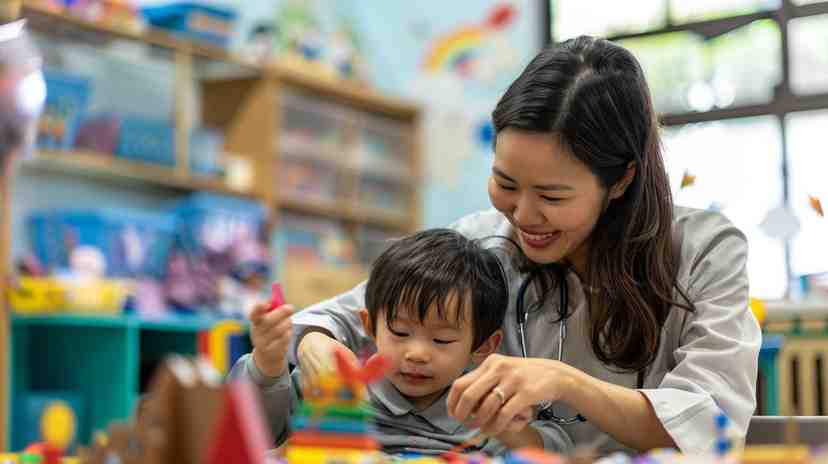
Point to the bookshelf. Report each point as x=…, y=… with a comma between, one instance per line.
x=256, y=107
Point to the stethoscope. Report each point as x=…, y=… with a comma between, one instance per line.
x=545, y=411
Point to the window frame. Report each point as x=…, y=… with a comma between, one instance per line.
x=783, y=102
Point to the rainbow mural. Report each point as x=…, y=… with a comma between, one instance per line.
x=456, y=50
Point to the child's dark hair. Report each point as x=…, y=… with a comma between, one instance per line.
x=432, y=268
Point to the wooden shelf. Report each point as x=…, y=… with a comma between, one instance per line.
x=107, y=167
x=362, y=171
x=344, y=92
x=345, y=212
x=169, y=322
x=44, y=19
x=51, y=22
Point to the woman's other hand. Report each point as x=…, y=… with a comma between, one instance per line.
x=496, y=395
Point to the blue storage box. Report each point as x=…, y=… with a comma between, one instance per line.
x=147, y=140
x=193, y=20
x=212, y=221
x=32, y=405
x=134, y=244
x=217, y=238
x=67, y=97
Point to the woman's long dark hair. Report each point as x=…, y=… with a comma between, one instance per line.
x=593, y=94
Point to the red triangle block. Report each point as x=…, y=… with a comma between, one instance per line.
x=240, y=436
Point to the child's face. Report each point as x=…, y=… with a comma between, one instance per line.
x=426, y=357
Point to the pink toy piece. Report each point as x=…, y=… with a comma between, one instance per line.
x=277, y=297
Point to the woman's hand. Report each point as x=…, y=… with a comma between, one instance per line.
x=315, y=354
x=499, y=391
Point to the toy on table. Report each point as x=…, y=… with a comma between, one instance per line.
x=723, y=443
x=238, y=437
x=169, y=428
x=57, y=427
x=332, y=423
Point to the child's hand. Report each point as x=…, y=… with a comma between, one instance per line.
x=270, y=333
x=315, y=353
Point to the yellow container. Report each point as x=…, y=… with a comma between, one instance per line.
x=98, y=296
x=36, y=295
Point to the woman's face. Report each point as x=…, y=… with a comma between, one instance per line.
x=551, y=198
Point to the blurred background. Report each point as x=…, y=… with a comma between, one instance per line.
x=191, y=153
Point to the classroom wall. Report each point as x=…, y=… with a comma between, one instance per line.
x=395, y=39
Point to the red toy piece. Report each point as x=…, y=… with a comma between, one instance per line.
x=343, y=440
x=240, y=436
x=373, y=369
x=277, y=296
x=52, y=455
x=35, y=448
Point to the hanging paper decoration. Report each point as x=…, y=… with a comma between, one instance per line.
x=687, y=180
x=780, y=223
x=816, y=205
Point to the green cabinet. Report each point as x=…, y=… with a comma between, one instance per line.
x=52, y=353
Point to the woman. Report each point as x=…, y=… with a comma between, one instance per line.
x=635, y=327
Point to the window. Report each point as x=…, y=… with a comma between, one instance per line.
x=809, y=51
x=687, y=73
x=808, y=176
x=673, y=64
x=735, y=75
x=574, y=18
x=740, y=178
x=700, y=10
x=715, y=69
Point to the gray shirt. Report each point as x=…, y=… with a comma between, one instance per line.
x=400, y=428
x=707, y=360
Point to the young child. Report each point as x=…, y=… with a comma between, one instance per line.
x=435, y=303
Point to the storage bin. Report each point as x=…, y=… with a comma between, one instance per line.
x=132, y=243
x=147, y=140
x=67, y=97
x=193, y=21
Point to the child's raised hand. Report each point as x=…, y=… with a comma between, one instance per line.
x=270, y=332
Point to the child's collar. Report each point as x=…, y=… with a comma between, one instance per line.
x=386, y=394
